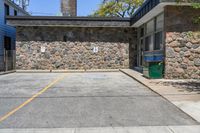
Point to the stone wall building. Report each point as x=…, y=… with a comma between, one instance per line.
x=167, y=33
x=160, y=32
x=73, y=48
x=74, y=43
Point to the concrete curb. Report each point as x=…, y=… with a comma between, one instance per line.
x=140, y=81
x=8, y=72
x=67, y=71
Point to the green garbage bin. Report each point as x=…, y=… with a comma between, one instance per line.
x=153, y=66
x=156, y=70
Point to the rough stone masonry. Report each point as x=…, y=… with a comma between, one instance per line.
x=47, y=48
x=182, y=43
x=183, y=55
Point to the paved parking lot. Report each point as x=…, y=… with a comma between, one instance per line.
x=71, y=100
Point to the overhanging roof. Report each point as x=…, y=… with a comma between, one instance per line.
x=152, y=8
x=67, y=21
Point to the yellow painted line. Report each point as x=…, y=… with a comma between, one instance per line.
x=30, y=99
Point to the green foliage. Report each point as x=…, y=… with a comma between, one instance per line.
x=117, y=8
x=196, y=5
x=196, y=20
x=189, y=34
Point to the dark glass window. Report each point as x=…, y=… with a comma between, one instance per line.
x=141, y=50
x=15, y=12
x=7, y=10
x=158, y=40
x=153, y=3
x=7, y=43
x=147, y=43
x=142, y=32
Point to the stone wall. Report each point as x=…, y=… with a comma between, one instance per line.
x=183, y=55
x=182, y=43
x=73, y=48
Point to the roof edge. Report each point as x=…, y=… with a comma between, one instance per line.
x=67, y=18
x=148, y=5
x=18, y=7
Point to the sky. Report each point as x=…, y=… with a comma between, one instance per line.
x=52, y=7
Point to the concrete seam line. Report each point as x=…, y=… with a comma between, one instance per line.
x=171, y=130
x=31, y=99
x=67, y=71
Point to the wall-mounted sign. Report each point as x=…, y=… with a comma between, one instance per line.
x=43, y=49
x=154, y=56
x=95, y=50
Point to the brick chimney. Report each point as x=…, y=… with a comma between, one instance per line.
x=69, y=7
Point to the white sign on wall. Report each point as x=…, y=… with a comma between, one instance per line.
x=43, y=49
x=95, y=50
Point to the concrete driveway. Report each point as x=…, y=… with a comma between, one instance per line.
x=74, y=100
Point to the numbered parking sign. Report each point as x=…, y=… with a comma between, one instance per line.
x=43, y=49
x=95, y=50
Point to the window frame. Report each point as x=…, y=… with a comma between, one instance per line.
x=142, y=37
x=154, y=32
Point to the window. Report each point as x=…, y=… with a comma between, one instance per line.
x=158, y=40
x=142, y=32
x=150, y=36
x=141, y=52
x=160, y=22
x=7, y=10
x=150, y=27
x=7, y=43
x=15, y=13
x=148, y=43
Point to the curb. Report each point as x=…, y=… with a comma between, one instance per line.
x=136, y=79
x=8, y=72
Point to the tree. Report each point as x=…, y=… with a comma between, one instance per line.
x=117, y=8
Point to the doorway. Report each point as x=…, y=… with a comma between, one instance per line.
x=8, y=54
